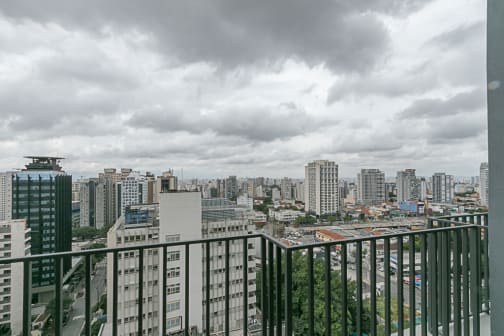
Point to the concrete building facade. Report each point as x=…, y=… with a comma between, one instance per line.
x=483, y=184
x=371, y=186
x=14, y=242
x=442, y=188
x=321, y=187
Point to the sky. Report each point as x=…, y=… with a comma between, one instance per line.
x=247, y=88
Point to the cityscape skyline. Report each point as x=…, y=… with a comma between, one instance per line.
x=407, y=90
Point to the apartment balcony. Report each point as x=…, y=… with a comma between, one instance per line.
x=427, y=282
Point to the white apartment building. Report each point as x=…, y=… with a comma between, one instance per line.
x=5, y=196
x=246, y=201
x=14, y=242
x=442, y=188
x=321, y=187
x=132, y=189
x=76, y=191
x=483, y=184
x=221, y=218
x=179, y=216
x=286, y=215
x=299, y=192
x=407, y=185
x=371, y=186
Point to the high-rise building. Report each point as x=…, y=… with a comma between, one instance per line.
x=286, y=188
x=299, y=192
x=321, y=187
x=180, y=216
x=408, y=186
x=167, y=182
x=483, y=184
x=6, y=196
x=231, y=188
x=48, y=214
x=371, y=186
x=93, y=203
x=132, y=190
x=76, y=191
x=110, y=178
x=442, y=188
x=14, y=243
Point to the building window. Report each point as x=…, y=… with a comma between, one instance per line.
x=172, y=306
x=173, y=256
x=173, y=322
x=172, y=289
x=173, y=272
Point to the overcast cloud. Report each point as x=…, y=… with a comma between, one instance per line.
x=249, y=88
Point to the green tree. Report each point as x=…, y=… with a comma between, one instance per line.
x=300, y=299
x=85, y=233
x=51, y=306
x=305, y=220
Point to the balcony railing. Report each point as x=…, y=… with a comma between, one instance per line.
x=426, y=282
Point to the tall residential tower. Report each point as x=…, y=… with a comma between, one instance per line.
x=321, y=187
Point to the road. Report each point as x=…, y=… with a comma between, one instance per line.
x=380, y=278
x=76, y=316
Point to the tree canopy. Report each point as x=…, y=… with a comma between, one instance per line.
x=300, y=299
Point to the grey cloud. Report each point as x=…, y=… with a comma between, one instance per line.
x=346, y=36
x=459, y=36
x=385, y=83
x=256, y=124
x=97, y=71
x=448, y=130
x=468, y=101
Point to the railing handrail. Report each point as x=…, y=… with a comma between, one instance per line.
x=83, y=253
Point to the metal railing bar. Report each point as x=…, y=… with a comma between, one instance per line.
x=344, y=289
x=58, y=297
x=400, y=288
x=311, y=294
x=87, y=305
x=358, y=271
x=186, y=290
x=327, y=290
x=115, y=267
x=279, y=290
x=245, y=286
x=264, y=286
x=412, y=285
x=271, y=296
x=140, y=289
x=163, y=320
x=27, y=296
x=207, y=288
x=372, y=260
x=226, y=289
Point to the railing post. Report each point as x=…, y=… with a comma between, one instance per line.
x=475, y=280
x=264, y=297
x=58, y=297
x=115, y=286
x=373, y=286
x=359, y=287
x=271, y=295
x=311, y=293
x=327, y=290
x=388, y=293
x=27, y=297
x=87, y=309
x=279, y=291
x=245, y=286
x=344, y=289
x=288, y=293
x=424, y=282
x=226, y=289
